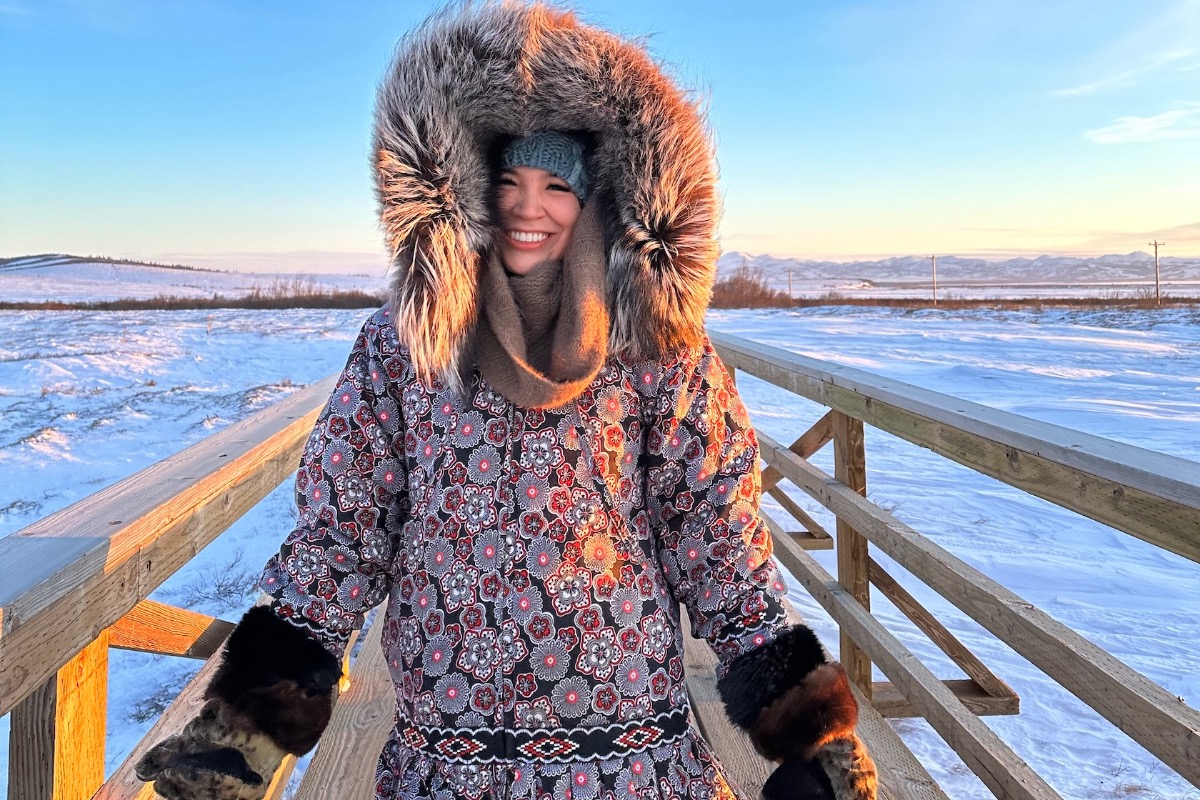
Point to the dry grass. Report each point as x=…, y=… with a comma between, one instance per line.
x=748, y=288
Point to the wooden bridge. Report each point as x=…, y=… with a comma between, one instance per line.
x=77, y=582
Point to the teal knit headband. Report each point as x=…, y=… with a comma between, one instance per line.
x=554, y=152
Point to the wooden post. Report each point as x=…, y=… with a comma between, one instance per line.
x=1157, y=283
x=934, y=260
x=850, y=468
x=56, y=744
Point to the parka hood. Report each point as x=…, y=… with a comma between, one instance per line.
x=471, y=77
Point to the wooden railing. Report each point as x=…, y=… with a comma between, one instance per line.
x=1148, y=495
x=77, y=582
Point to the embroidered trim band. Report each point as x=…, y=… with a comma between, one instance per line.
x=547, y=744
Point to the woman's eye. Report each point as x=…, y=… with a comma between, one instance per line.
x=506, y=181
x=560, y=187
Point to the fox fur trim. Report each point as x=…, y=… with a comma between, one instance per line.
x=277, y=678
x=788, y=697
x=471, y=77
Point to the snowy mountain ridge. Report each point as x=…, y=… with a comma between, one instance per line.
x=1135, y=266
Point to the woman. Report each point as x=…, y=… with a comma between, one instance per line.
x=535, y=455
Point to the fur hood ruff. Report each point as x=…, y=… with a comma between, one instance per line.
x=472, y=76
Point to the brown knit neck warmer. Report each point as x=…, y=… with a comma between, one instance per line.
x=542, y=337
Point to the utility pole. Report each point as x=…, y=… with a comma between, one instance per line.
x=934, y=260
x=1157, y=285
x=790, y=283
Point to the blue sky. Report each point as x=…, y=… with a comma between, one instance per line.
x=231, y=133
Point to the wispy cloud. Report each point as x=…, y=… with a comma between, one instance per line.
x=1130, y=77
x=1181, y=123
x=1165, y=43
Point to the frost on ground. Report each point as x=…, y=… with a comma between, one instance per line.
x=88, y=398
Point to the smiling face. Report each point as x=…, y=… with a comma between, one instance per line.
x=538, y=212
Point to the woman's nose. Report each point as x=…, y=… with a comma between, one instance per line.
x=528, y=205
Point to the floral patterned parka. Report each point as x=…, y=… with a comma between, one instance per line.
x=534, y=562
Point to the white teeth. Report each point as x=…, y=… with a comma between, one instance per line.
x=522, y=236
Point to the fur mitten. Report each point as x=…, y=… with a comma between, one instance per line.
x=272, y=694
x=216, y=756
x=799, y=711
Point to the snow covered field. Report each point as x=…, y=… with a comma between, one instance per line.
x=88, y=398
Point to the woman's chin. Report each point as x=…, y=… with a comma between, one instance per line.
x=521, y=262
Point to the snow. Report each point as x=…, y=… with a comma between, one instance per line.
x=87, y=398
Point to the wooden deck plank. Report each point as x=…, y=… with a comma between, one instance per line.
x=344, y=764
x=901, y=776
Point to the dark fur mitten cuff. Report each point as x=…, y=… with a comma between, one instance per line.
x=279, y=678
x=798, y=780
x=788, y=697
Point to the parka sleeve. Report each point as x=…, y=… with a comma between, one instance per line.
x=775, y=679
x=703, y=491
x=350, y=498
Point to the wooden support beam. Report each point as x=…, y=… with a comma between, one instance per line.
x=814, y=528
x=850, y=468
x=56, y=742
x=344, y=764
x=802, y=538
x=153, y=627
x=809, y=442
x=890, y=701
x=976, y=670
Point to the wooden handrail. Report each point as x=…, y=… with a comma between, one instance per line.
x=71, y=575
x=1152, y=496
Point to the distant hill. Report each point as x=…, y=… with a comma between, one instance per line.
x=59, y=260
x=81, y=279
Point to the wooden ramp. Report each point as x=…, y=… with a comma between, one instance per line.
x=344, y=763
